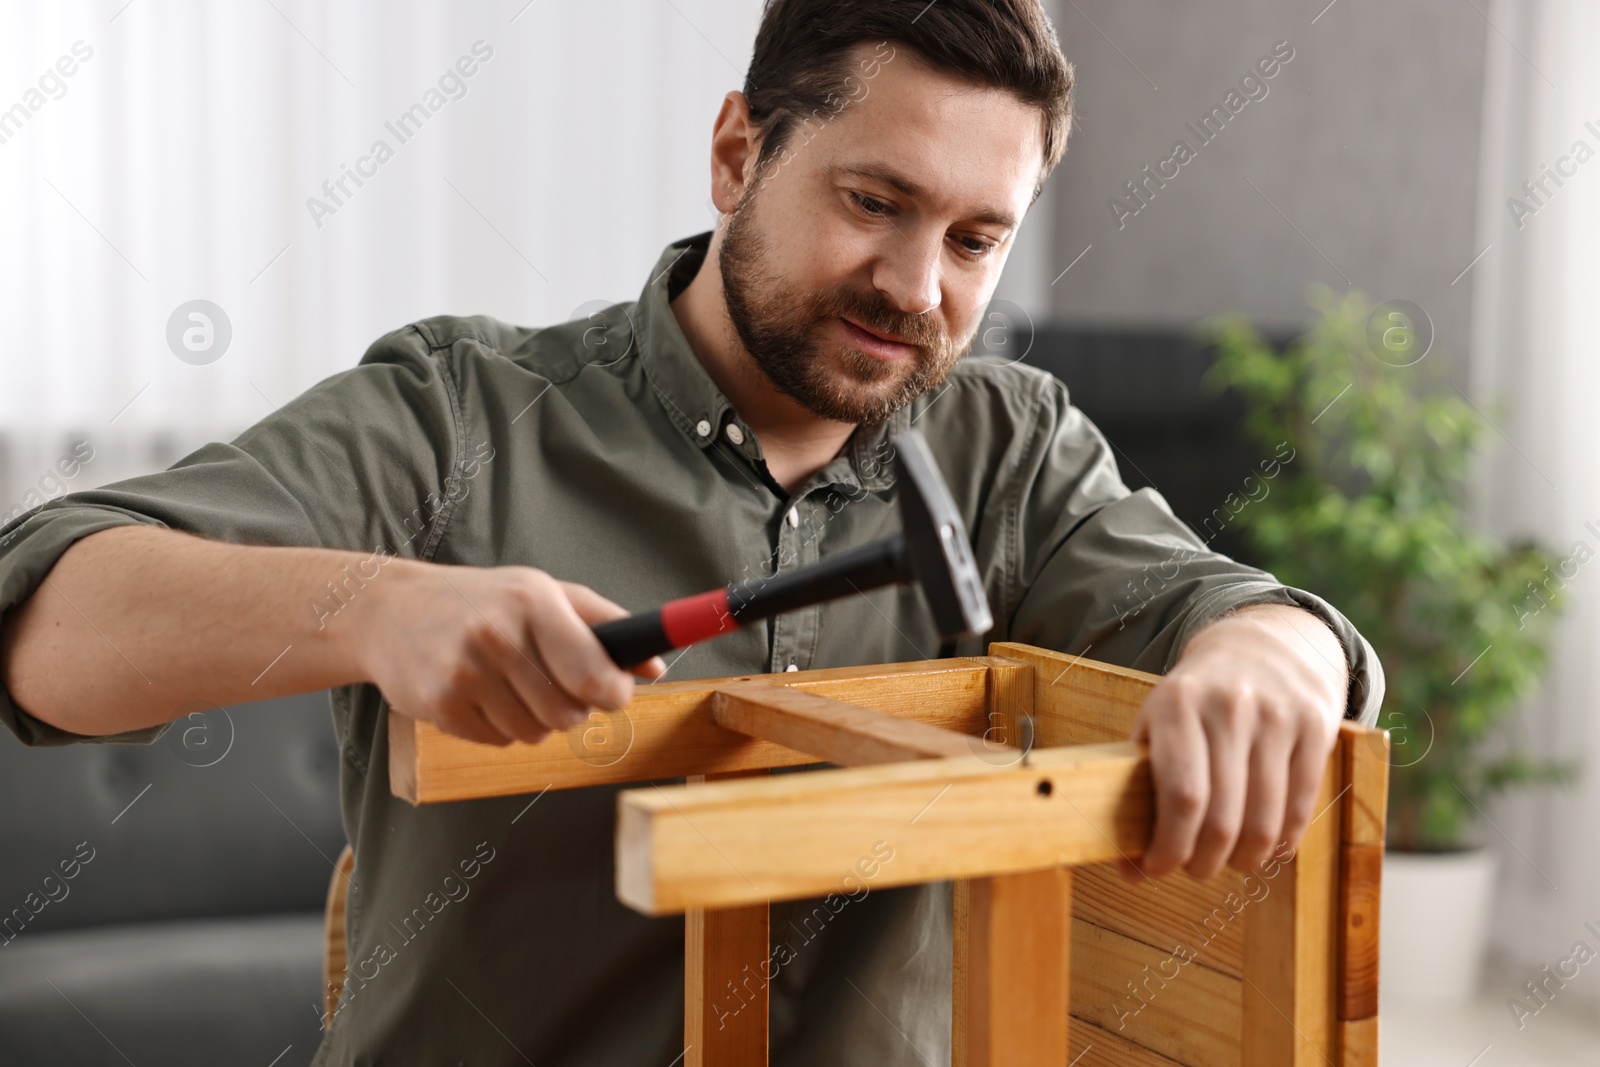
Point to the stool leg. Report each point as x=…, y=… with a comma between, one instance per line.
x=725, y=987
x=1013, y=945
x=726, y=965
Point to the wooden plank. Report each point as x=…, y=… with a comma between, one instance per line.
x=336, y=945
x=727, y=843
x=1164, y=913
x=1366, y=776
x=1366, y=771
x=960, y=968
x=1184, y=1011
x=1010, y=722
x=1078, y=701
x=1291, y=948
x=1093, y=1046
x=1358, y=1042
x=831, y=730
x=1010, y=1006
x=726, y=978
x=1360, y=883
x=666, y=731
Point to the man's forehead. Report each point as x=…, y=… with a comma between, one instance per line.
x=976, y=150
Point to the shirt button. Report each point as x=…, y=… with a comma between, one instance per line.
x=703, y=428
x=735, y=434
x=793, y=518
x=792, y=667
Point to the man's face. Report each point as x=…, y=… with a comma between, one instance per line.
x=862, y=254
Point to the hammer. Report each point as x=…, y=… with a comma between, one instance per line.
x=931, y=548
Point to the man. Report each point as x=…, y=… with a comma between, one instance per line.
x=435, y=531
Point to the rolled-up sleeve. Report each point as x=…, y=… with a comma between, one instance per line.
x=1116, y=576
x=361, y=461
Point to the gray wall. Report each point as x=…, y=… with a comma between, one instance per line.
x=1367, y=142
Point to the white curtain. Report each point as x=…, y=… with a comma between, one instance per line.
x=1537, y=292
x=176, y=160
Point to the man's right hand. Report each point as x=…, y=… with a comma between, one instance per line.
x=492, y=655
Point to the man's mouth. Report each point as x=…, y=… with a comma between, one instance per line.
x=877, y=343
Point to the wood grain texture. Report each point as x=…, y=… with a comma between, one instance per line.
x=666, y=731
x=831, y=730
x=726, y=987
x=1291, y=947
x=1152, y=998
x=336, y=945
x=1360, y=883
x=960, y=968
x=1010, y=1006
x=1366, y=770
x=1010, y=701
x=1365, y=757
x=1093, y=1046
x=1358, y=1043
x=726, y=980
x=795, y=835
x=1078, y=701
x=1163, y=913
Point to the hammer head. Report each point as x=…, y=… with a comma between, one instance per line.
x=936, y=543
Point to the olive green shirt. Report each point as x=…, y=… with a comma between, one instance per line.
x=487, y=932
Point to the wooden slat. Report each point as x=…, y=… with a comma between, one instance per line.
x=960, y=968
x=1010, y=1006
x=1187, y=1012
x=1096, y=1047
x=1291, y=948
x=1366, y=770
x=726, y=981
x=1010, y=724
x=666, y=732
x=336, y=945
x=1078, y=701
x=1360, y=883
x=1358, y=1042
x=725, y=843
x=1366, y=797
x=1202, y=916
x=831, y=730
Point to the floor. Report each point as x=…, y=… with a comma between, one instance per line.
x=1484, y=1033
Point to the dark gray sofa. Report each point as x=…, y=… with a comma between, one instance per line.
x=190, y=928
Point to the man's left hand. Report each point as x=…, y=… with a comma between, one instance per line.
x=1239, y=733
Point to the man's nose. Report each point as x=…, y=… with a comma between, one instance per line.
x=908, y=274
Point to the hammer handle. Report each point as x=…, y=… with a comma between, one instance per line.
x=690, y=620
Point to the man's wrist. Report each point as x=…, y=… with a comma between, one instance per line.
x=350, y=630
x=1302, y=631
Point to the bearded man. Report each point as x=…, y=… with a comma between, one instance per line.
x=497, y=489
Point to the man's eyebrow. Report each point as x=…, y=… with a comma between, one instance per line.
x=906, y=187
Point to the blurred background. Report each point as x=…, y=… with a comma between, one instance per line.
x=1432, y=159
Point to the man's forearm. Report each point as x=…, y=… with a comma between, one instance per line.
x=135, y=625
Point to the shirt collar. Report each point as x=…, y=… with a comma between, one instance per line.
x=700, y=410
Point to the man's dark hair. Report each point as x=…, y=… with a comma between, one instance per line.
x=802, y=67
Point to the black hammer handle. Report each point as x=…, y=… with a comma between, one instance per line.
x=692, y=619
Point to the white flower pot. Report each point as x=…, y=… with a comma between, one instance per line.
x=1434, y=926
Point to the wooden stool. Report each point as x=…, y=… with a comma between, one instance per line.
x=1274, y=968
x=335, y=948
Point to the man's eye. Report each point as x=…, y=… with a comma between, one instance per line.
x=869, y=204
x=976, y=246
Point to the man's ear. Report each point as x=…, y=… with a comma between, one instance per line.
x=735, y=147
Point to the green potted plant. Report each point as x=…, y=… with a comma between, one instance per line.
x=1370, y=514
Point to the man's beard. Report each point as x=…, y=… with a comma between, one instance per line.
x=779, y=326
